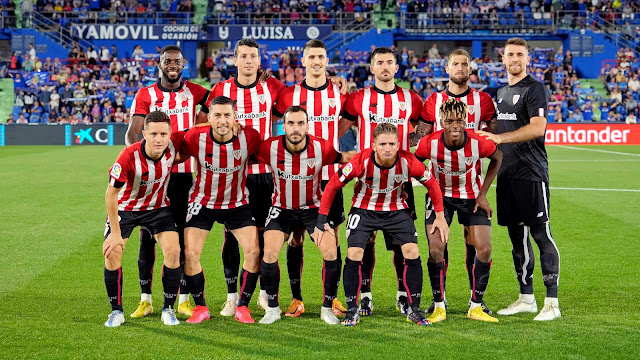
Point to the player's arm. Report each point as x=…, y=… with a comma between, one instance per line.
x=115, y=237
x=329, y=194
x=492, y=171
x=342, y=82
x=533, y=130
x=422, y=129
x=493, y=124
x=346, y=157
x=134, y=129
x=349, y=113
x=420, y=173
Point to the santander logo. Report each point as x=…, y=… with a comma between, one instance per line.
x=586, y=135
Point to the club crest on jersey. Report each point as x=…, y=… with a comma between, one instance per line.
x=469, y=160
x=471, y=110
x=182, y=97
x=515, y=99
x=237, y=154
x=403, y=106
x=399, y=178
x=311, y=163
x=116, y=170
x=262, y=98
x=332, y=102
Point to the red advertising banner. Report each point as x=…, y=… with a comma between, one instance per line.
x=592, y=134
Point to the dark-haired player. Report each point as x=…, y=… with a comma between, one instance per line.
x=178, y=100
x=455, y=155
x=522, y=193
x=137, y=196
x=379, y=203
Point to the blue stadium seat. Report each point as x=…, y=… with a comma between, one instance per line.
x=34, y=118
x=45, y=118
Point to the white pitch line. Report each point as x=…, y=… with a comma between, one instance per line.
x=619, y=160
x=588, y=189
x=596, y=150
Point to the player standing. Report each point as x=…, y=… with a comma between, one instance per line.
x=455, y=153
x=136, y=196
x=384, y=102
x=220, y=194
x=254, y=99
x=379, y=203
x=522, y=193
x=481, y=110
x=323, y=102
x=177, y=99
x=297, y=159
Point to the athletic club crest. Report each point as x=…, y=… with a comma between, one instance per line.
x=182, y=97
x=515, y=99
x=332, y=102
x=262, y=98
x=237, y=154
x=469, y=160
x=472, y=110
x=311, y=163
x=403, y=106
x=399, y=178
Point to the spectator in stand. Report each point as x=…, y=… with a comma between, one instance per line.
x=29, y=99
x=22, y=119
x=631, y=119
x=54, y=101
x=588, y=111
x=105, y=55
x=118, y=116
x=577, y=115
x=434, y=53
x=631, y=105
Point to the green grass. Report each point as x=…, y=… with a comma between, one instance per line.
x=53, y=301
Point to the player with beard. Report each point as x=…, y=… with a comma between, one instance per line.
x=179, y=100
x=480, y=111
x=324, y=103
x=522, y=192
x=384, y=102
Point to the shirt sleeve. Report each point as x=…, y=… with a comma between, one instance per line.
x=428, y=110
x=282, y=103
x=254, y=140
x=141, y=103
x=420, y=173
x=217, y=90
x=537, y=100
x=350, y=109
x=338, y=181
x=187, y=146
x=263, y=153
x=423, y=151
x=329, y=154
x=487, y=147
x=177, y=138
x=487, y=107
x=118, y=174
x=416, y=103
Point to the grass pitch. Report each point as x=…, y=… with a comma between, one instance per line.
x=53, y=301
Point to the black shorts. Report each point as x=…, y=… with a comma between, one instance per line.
x=522, y=201
x=411, y=202
x=336, y=213
x=397, y=227
x=286, y=220
x=156, y=221
x=464, y=207
x=203, y=218
x=260, y=188
x=178, y=194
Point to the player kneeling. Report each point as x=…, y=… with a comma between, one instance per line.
x=455, y=155
x=136, y=196
x=220, y=195
x=379, y=204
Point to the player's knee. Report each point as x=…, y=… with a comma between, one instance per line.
x=355, y=253
x=191, y=255
x=270, y=255
x=436, y=254
x=410, y=251
x=252, y=253
x=483, y=252
x=172, y=255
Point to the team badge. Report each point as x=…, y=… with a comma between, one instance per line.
x=182, y=97
x=262, y=98
x=346, y=170
x=469, y=160
x=399, y=178
x=515, y=99
x=311, y=163
x=403, y=106
x=237, y=154
x=332, y=102
x=472, y=110
x=116, y=170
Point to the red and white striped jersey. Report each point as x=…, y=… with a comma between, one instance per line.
x=458, y=170
x=144, y=181
x=179, y=104
x=380, y=188
x=324, y=106
x=480, y=108
x=221, y=173
x=372, y=106
x=297, y=184
x=254, y=104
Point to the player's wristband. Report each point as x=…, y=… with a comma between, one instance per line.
x=322, y=219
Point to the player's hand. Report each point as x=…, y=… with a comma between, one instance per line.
x=496, y=138
x=236, y=127
x=482, y=202
x=318, y=234
x=340, y=81
x=440, y=223
x=113, y=241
